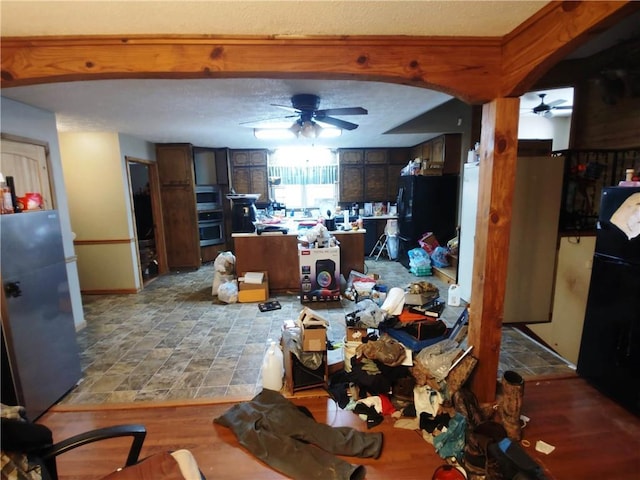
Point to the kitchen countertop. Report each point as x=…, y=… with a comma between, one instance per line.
x=381, y=217
x=294, y=233
x=295, y=230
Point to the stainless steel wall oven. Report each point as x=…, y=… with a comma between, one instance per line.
x=208, y=197
x=211, y=227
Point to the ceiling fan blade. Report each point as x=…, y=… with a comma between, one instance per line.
x=343, y=111
x=274, y=122
x=286, y=107
x=555, y=103
x=336, y=122
x=567, y=107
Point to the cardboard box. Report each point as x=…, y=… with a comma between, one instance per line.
x=314, y=330
x=253, y=292
x=419, y=298
x=355, y=334
x=314, y=339
x=429, y=242
x=319, y=270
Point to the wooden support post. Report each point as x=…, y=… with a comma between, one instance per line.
x=499, y=150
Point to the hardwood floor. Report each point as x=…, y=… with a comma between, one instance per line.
x=593, y=437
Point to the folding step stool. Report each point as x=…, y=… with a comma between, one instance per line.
x=380, y=246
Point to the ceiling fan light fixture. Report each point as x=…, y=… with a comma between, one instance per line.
x=306, y=129
x=310, y=129
x=274, y=133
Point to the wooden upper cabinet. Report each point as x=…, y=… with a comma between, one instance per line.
x=375, y=184
x=398, y=156
x=175, y=164
x=375, y=175
x=242, y=179
x=258, y=158
x=351, y=183
x=349, y=156
x=375, y=157
x=416, y=152
x=351, y=175
x=240, y=158
x=260, y=183
x=371, y=175
x=249, y=172
x=398, y=159
x=452, y=155
x=440, y=155
x=428, y=154
x=437, y=150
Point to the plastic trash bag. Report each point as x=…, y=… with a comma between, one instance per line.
x=419, y=262
x=228, y=292
x=224, y=267
x=418, y=258
x=439, y=257
x=438, y=358
x=366, y=315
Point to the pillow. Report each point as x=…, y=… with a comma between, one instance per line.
x=161, y=466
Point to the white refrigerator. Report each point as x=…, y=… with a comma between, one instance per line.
x=533, y=241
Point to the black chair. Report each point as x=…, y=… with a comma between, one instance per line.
x=137, y=432
x=27, y=445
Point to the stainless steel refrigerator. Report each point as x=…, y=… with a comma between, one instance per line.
x=610, y=348
x=40, y=355
x=426, y=204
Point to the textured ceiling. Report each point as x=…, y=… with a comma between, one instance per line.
x=266, y=17
x=210, y=113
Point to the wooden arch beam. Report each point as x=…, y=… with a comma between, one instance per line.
x=466, y=68
x=473, y=69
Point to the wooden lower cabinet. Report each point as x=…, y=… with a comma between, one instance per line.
x=278, y=255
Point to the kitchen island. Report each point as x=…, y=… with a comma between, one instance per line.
x=277, y=254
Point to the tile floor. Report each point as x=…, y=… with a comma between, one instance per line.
x=174, y=341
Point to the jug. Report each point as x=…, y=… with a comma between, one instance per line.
x=273, y=368
x=454, y=295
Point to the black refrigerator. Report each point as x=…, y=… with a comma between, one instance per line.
x=426, y=204
x=609, y=355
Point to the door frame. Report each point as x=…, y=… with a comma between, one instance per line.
x=156, y=209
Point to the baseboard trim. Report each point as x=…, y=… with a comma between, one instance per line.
x=89, y=407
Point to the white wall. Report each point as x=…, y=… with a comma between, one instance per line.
x=536, y=127
x=39, y=125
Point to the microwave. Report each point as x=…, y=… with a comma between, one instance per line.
x=208, y=197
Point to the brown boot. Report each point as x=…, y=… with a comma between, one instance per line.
x=511, y=404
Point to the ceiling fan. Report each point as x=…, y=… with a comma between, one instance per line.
x=545, y=108
x=307, y=115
